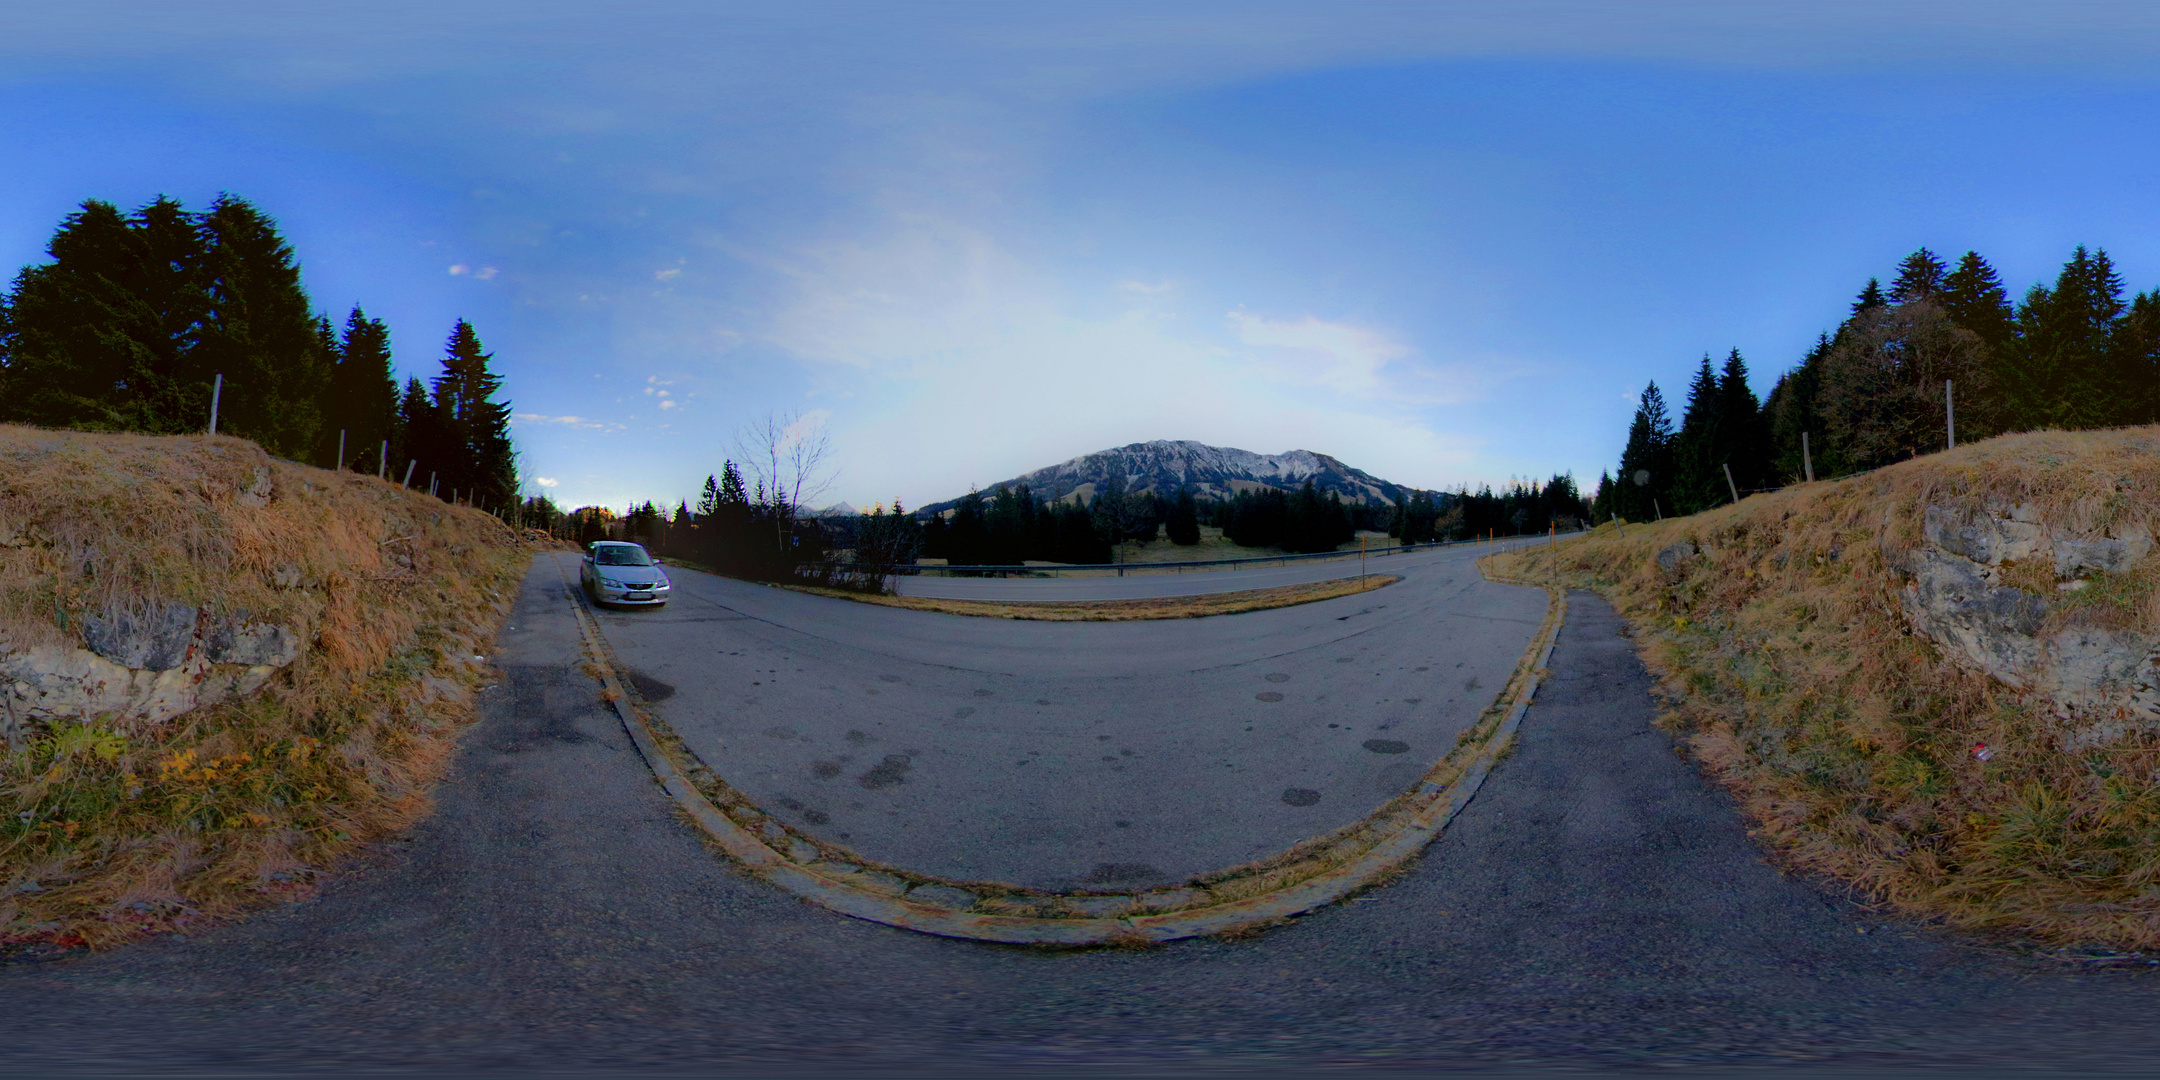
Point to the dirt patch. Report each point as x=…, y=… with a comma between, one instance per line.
x=1173, y=607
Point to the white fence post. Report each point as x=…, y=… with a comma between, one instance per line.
x=217, y=390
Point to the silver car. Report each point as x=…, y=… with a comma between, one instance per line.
x=620, y=573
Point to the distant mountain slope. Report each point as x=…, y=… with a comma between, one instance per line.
x=1211, y=471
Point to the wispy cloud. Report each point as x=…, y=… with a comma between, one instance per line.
x=566, y=421
x=1345, y=358
x=547, y=481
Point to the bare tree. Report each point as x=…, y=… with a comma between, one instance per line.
x=786, y=453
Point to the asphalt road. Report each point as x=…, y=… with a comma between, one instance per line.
x=1596, y=905
x=1075, y=755
x=1143, y=583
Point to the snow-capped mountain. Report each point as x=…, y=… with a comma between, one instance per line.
x=1211, y=471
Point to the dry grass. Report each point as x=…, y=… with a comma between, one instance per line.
x=113, y=829
x=1168, y=607
x=1789, y=666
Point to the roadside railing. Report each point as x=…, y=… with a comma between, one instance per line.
x=1122, y=569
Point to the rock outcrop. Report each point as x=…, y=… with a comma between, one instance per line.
x=139, y=668
x=2102, y=681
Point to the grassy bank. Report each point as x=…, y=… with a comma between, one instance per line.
x=115, y=827
x=1864, y=750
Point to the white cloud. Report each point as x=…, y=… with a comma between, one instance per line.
x=485, y=273
x=460, y=268
x=1145, y=288
x=518, y=419
x=547, y=481
x=667, y=275
x=1345, y=358
x=667, y=404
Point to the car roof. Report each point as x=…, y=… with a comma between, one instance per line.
x=617, y=543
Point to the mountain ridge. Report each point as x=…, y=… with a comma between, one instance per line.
x=1219, y=472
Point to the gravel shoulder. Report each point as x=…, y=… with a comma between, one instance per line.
x=1597, y=905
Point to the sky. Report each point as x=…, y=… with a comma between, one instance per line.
x=1446, y=243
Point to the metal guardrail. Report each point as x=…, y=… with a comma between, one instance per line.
x=1121, y=569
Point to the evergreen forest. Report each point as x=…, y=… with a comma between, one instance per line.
x=1941, y=343
x=138, y=314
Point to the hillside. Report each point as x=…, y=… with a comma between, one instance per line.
x=1939, y=681
x=218, y=671
x=1211, y=471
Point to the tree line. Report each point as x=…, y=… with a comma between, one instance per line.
x=2071, y=355
x=137, y=314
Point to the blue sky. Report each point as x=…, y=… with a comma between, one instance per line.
x=1444, y=242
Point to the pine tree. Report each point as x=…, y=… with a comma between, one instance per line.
x=1920, y=277
x=104, y=336
x=1698, y=473
x=475, y=428
x=2134, y=356
x=1646, y=463
x=1974, y=299
x=1869, y=298
x=1743, y=438
x=419, y=432
x=1183, y=523
x=364, y=392
x=2061, y=375
x=260, y=333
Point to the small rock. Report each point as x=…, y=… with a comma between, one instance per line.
x=257, y=493
x=286, y=577
x=772, y=832
x=1670, y=558
x=801, y=850
x=944, y=896
x=836, y=869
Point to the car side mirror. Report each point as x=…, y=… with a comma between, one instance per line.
x=659, y=562
x=588, y=558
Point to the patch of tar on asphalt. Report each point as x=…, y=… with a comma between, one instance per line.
x=1109, y=757
x=647, y=687
x=1115, y=873
x=1042, y=701
x=1412, y=700
x=889, y=772
x=816, y=817
x=1386, y=746
x=824, y=770
x=963, y=712
x=1345, y=659
x=1277, y=677
x=1300, y=796
x=985, y=693
x=1421, y=669
x=1267, y=695
x=889, y=678
x=781, y=732
x=1472, y=684
x=859, y=738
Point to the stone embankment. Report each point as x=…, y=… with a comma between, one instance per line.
x=1963, y=591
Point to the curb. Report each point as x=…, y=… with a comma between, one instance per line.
x=876, y=896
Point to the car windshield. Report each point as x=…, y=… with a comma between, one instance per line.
x=621, y=555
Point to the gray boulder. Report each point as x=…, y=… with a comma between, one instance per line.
x=252, y=645
x=157, y=639
x=1670, y=558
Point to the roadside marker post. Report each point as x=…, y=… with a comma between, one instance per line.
x=382, y=467
x=1949, y=414
x=341, y=450
x=409, y=467
x=1807, y=460
x=1729, y=485
x=217, y=390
